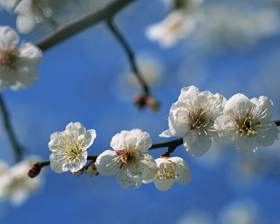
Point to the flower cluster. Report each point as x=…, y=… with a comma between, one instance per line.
x=200, y=117
x=15, y=184
x=129, y=159
x=18, y=65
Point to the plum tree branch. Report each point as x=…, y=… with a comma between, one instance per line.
x=17, y=148
x=67, y=30
x=116, y=32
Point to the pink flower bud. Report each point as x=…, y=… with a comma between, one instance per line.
x=34, y=170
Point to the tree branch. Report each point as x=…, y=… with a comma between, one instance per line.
x=63, y=32
x=130, y=55
x=18, y=150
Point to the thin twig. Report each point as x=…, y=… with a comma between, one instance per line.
x=130, y=55
x=18, y=150
x=63, y=32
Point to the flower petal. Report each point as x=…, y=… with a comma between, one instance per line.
x=246, y=144
x=197, y=144
x=55, y=166
x=148, y=168
x=238, y=104
x=30, y=54
x=25, y=23
x=184, y=172
x=105, y=163
x=8, y=37
x=188, y=93
x=89, y=138
x=267, y=134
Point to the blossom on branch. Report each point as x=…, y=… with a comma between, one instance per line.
x=192, y=117
x=171, y=169
x=69, y=148
x=248, y=122
x=129, y=159
x=176, y=25
x=18, y=65
x=31, y=12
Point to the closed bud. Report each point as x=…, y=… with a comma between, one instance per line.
x=139, y=101
x=152, y=103
x=91, y=169
x=79, y=172
x=34, y=170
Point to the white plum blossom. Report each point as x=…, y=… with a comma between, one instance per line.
x=9, y=4
x=69, y=148
x=31, y=12
x=176, y=25
x=129, y=159
x=15, y=184
x=193, y=117
x=18, y=65
x=171, y=169
x=248, y=122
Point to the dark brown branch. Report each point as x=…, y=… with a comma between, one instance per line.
x=63, y=32
x=130, y=55
x=18, y=150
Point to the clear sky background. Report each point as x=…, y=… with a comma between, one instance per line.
x=84, y=79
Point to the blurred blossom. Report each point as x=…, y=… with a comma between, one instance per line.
x=244, y=211
x=15, y=183
x=175, y=26
x=31, y=12
x=8, y=4
x=246, y=171
x=18, y=65
x=151, y=69
x=196, y=217
x=232, y=25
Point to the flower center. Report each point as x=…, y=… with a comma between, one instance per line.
x=68, y=150
x=199, y=121
x=127, y=157
x=247, y=127
x=9, y=57
x=171, y=171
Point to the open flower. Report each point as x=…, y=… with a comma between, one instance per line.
x=18, y=65
x=31, y=12
x=176, y=25
x=248, y=122
x=69, y=148
x=192, y=117
x=127, y=160
x=171, y=169
x=15, y=184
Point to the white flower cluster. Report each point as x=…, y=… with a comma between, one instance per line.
x=15, y=184
x=129, y=159
x=18, y=65
x=200, y=117
x=178, y=24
